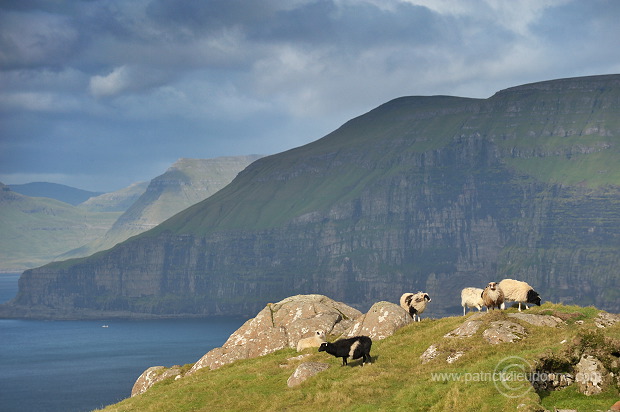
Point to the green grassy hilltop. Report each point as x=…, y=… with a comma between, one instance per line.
x=398, y=380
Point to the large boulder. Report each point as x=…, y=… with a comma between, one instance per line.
x=538, y=320
x=281, y=325
x=504, y=332
x=305, y=371
x=153, y=375
x=466, y=330
x=591, y=376
x=381, y=321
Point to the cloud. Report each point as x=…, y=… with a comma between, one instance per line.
x=35, y=39
x=132, y=79
x=115, y=82
x=39, y=102
x=84, y=83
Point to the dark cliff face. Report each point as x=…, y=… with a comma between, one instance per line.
x=432, y=194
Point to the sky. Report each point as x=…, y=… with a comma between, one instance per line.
x=99, y=94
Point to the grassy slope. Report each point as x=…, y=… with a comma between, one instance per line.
x=36, y=230
x=395, y=381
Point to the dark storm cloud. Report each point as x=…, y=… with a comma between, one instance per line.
x=110, y=88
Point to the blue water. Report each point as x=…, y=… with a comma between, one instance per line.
x=79, y=366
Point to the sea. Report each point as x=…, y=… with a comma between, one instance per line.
x=78, y=366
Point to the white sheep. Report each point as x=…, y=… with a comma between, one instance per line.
x=471, y=297
x=313, y=341
x=518, y=291
x=493, y=296
x=414, y=303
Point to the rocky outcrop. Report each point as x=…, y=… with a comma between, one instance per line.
x=153, y=375
x=504, y=332
x=381, y=321
x=591, y=376
x=305, y=371
x=281, y=325
x=493, y=332
x=604, y=319
x=466, y=330
x=538, y=320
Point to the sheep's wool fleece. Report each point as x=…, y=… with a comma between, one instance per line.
x=515, y=290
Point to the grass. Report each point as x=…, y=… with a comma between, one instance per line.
x=397, y=380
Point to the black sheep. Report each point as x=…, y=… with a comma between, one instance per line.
x=354, y=348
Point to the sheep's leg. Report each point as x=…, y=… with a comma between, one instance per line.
x=519, y=306
x=464, y=310
x=503, y=306
x=344, y=361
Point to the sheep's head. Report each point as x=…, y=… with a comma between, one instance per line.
x=320, y=333
x=533, y=297
x=323, y=347
x=427, y=298
x=492, y=285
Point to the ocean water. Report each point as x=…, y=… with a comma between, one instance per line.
x=68, y=366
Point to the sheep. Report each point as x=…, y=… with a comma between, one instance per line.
x=493, y=296
x=471, y=297
x=414, y=303
x=313, y=341
x=354, y=348
x=518, y=291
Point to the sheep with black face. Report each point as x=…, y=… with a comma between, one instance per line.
x=518, y=291
x=414, y=303
x=354, y=348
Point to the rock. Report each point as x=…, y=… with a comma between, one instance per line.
x=615, y=406
x=305, y=371
x=502, y=331
x=454, y=356
x=604, y=319
x=153, y=375
x=429, y=354
x=281, y=325
x=538, y=320
x=591, y=376
x=551, y=381
x=381, y=321
x=466, y=330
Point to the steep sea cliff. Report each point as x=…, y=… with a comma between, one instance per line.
x=422, y=193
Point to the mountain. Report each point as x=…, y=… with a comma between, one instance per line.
x=422, y=193
x=117, y=201
x=56, y=191
x=34, y=230
x=185, y=183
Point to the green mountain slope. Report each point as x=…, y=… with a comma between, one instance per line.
x=35, y=230
x=398, y=379
x=422, y=193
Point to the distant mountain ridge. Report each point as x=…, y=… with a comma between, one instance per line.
x=35, y=230
x=117, y=201
x=422, y=193
x=64, y=193
x=185, y=183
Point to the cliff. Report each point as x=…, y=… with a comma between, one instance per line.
x=422, y=193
